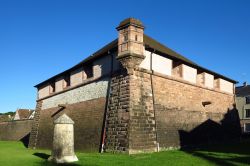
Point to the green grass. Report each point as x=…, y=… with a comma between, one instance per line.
x=15, y=154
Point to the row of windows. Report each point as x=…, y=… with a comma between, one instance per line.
x=125, y=37
x=88, y=70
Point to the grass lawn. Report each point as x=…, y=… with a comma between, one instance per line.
x=15, y=154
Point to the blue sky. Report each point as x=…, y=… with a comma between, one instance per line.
x=41, y=38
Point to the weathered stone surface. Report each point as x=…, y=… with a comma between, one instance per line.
x=130, y=115
x=167, y=112
x=63, y=119
x=35, y=126
x=181, y=116
x=63, y=141
x=118, y=115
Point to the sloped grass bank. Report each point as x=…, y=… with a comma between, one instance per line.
x=15, y=154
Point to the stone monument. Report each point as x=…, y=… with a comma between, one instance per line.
x=63, y=141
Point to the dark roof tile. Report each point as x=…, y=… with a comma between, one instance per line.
x=149, y=43
x=242, y=91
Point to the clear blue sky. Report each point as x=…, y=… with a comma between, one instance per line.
x=41, y=38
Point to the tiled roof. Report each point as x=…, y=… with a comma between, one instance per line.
x=149, y=43
x=23, y=113
x=242, y=91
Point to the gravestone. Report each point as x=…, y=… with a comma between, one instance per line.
x=63, y=141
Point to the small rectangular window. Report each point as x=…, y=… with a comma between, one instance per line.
x=125, y=37
x=89, y=70
x=247, y=127
x=247, y=113
x=52, y=87
x=67, y=80
x=176, y=69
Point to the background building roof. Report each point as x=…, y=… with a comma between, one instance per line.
x=242, y=91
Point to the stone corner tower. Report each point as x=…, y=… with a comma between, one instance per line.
x=130, y=43
x=130, y=116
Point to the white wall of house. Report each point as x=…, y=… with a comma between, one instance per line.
x=16, y=116
x=189, y=73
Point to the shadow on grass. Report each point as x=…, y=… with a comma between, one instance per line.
x=42, y=155
x=227, y=161
x=229, y=154
x=219, y=143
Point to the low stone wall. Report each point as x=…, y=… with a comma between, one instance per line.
x=15, y=130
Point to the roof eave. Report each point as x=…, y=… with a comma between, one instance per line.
x=191, y=65
x=112, y=48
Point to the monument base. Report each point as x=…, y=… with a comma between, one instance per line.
x=64, y=159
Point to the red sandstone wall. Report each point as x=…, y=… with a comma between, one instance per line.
x=88, y=118
x=181, y=119
x=130, y=117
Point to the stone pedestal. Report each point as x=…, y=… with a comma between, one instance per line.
x=63, y=141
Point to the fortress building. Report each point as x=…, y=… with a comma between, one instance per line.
x=136, y=95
